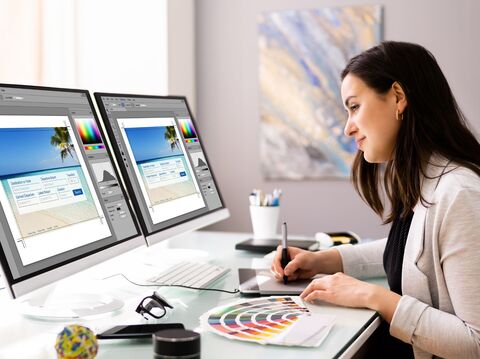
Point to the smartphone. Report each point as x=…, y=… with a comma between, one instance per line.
x=136, y=331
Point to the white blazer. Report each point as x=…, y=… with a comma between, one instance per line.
x=439, y=312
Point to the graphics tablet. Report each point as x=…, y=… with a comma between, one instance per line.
x=262, y=282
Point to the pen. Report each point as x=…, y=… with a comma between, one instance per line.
x=285, y=257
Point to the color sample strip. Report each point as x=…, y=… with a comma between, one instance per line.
x=187, y=128
x=191, y=140
x=88, y=130
x=94, y=147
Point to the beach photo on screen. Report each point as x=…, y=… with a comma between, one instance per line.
x=162, y=168
x=161, y=163
x=45, y=186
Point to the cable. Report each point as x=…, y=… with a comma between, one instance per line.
x=174, y=285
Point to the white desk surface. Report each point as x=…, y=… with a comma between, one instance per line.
x=21, y=337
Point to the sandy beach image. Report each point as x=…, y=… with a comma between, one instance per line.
x=161, y=163
x=42, y=180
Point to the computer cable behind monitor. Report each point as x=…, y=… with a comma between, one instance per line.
x=235, y=291
x=62, y=207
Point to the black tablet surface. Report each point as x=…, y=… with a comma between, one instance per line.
x=269, y=245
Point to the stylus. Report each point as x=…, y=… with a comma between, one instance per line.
x=285, y=257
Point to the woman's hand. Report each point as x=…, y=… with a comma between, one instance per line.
x=347, y=291
x=305, y=264
x=339, y=289
x=302, y=264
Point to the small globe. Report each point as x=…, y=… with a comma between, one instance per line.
x=76, y=342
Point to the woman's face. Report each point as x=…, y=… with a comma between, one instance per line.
x=372, y=118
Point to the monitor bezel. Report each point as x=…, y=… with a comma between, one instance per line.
x=190, y=224
x=27, y=283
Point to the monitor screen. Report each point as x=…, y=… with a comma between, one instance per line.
x=163, y=162
x=60, y=198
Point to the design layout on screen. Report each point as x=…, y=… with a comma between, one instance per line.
x=163, y=170
x=46, y=191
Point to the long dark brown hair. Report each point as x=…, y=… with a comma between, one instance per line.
x=432, y=124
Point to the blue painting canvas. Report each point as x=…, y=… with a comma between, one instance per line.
x=302, y=54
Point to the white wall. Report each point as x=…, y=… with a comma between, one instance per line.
x=129, y=46
x=121, y=45
x=181, y=49
x=19, y=41
x=228, y=101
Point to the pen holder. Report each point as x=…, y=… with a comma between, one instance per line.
x=264, y=221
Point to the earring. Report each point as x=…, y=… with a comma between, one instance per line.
x=399, y=116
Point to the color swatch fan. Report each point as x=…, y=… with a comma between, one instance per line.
x=271, y=320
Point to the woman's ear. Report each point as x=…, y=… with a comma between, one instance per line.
x=400, y=96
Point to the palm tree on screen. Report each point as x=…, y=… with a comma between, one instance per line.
x=171, y=136
x=61, y=140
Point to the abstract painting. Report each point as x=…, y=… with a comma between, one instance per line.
x=301, y=56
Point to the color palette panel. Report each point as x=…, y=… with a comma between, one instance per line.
x=88, y=130
x=187, y=128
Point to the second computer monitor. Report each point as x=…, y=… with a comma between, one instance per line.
x=163, y=162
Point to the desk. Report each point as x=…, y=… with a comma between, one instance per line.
x=21, y=337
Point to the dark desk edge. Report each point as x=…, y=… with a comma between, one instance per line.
x=357, y=335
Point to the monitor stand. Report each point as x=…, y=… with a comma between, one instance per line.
x=48, y=304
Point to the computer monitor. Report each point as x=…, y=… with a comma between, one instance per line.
x=62, y=206
x=163, y=162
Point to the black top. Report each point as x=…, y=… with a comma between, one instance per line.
x=394, y=249
x=392, y=262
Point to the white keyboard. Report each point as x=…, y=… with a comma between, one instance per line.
x=190, y=274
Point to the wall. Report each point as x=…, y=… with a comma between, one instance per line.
x=127, y=46
x=181, y=49
x=19, y=41
x=121, y=46
x=228, y=102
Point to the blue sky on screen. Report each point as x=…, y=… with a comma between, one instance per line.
x=149, y=143
x=28, y=150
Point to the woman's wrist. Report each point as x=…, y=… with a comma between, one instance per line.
x=329, y=261
x=383, y=301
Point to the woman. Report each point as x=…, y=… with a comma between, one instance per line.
x=402, y=113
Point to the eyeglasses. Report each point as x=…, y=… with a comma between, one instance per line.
x=154, y=305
